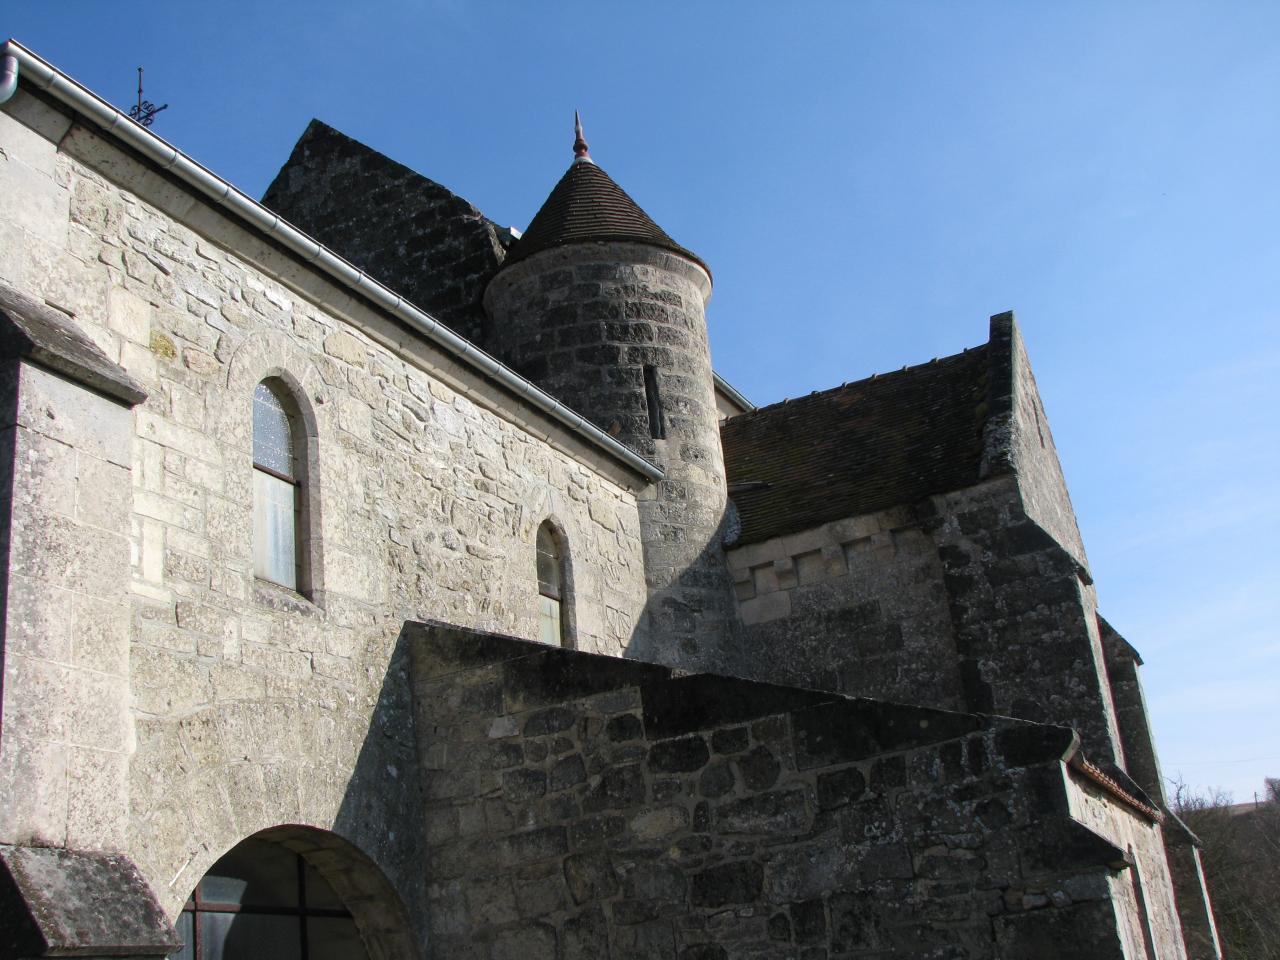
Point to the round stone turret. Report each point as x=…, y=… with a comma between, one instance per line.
x=604, y=311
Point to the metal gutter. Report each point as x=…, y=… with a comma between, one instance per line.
x=729, y=391
x=48, y=78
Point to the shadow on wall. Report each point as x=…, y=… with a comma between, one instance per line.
x=692, y=622
x=8, y=447
x=382, y=813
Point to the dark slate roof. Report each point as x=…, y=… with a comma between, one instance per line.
x=892, y=439
x=587, y=206
x=420, y=239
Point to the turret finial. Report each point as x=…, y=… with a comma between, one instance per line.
x=579, y=142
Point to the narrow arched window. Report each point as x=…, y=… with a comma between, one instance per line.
x=277, y=486
x=551, y=588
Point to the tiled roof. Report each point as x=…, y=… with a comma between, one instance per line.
x=585, y=206
x=862, y=447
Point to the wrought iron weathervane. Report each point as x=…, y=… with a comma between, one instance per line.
x=145, y=111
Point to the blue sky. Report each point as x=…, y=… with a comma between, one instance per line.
x=869, y=182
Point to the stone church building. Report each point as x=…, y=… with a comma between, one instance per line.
x=384, y=583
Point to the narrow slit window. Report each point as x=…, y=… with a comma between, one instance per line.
x=277, y=487
x=551, y=625
x=657, y=429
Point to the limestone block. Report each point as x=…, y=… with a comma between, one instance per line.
x=38, y=621
x=149, y=557
x=355, y=417
x=44, y=474
x=765, y=578
x=854, y=528
x=96, y=707
x=129, y=315
x=345, y=347
x=169, y=511
x=103, y=494
x=807, y=541
x=185, y=440
x=100, y=635
x=139, y=360
x=33, y=781
x=65, y=411
x=26, y=172
x=34, y=699
x=30, y=132
x=359, y=577
x=97, y=788
x=72, y=286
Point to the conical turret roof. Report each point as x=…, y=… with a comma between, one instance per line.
x=587, y=206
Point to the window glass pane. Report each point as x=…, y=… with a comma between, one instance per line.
x=249, y=936
x=320, y=895
x=549, y=620
x=274, y=536
x=548, y=564
x=256, y=873
x=272, y=432
x=186, y=933
x=333, y=938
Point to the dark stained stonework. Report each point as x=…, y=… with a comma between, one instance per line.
x=407, y=232
x=855, y=829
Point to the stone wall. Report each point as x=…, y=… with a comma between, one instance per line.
x=1017, y=438
x=1024, y=616
x=583, y=321
x=856, y=606
x=67, y=729
x=253, y=705
x=960, y=601
x=585, y=807
x=1142, y=762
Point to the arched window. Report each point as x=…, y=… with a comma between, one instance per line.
x=552, y=626
x=262, y=901
x=277, y=486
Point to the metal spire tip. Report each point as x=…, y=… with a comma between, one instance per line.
x=579, y=142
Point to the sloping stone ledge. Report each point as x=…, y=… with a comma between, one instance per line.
x=65, y=903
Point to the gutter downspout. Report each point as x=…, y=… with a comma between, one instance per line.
x=8, y=75
x=41, y=74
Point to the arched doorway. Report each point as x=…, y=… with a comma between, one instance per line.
x=292, y=893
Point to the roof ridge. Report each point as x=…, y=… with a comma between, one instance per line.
x=849, y=384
